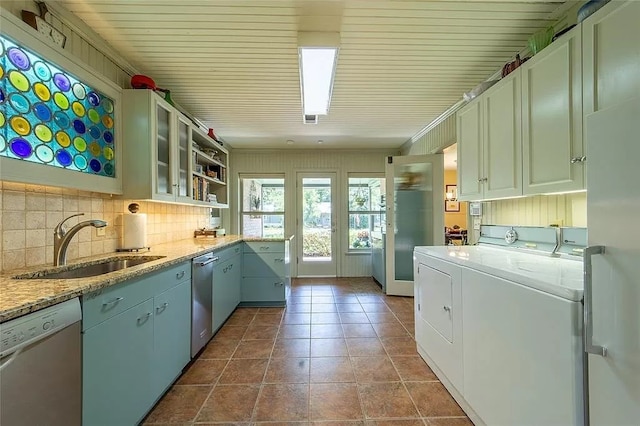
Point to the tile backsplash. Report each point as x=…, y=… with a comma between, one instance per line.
x=29, y=213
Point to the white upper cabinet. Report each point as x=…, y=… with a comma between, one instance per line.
x=611, y=56
x=156, y=146
x=167, y=158
x=502, y=149
x=469, y=121
x=489, y=143
x=552, y=118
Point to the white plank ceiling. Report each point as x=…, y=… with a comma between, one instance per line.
x=233, y=64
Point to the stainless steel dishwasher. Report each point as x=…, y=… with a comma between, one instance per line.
x=40, y=367
x=201, y=301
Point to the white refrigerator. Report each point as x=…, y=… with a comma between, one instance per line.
x=612, y=266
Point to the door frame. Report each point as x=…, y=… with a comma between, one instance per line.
x=329, y=269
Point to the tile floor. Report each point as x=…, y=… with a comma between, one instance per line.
x=341, y=353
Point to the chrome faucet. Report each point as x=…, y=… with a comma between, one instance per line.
x=62, y=236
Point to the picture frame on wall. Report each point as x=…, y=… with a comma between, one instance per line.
x=451, y=206
x=451, y=192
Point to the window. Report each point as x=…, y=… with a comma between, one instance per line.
x=262, y=207
x=366, y=210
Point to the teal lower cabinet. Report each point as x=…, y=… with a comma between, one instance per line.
x=172, y=335
x=135, y=343
x=226, y=289
x=265, y=277
x=116, y=368
x=263, y=290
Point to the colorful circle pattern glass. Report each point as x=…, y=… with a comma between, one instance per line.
x=50, y=117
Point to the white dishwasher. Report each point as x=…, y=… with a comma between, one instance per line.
x=40, y=367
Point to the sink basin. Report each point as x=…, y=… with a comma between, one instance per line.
x=91, y=269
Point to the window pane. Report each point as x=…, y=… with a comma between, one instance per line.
x=316, y=219
x=263, y=194
x=260, y=195
x=263, y=226
x=359, y=227
x=366, y=210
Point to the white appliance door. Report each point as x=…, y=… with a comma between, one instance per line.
x=613, y=208
x=415, y=214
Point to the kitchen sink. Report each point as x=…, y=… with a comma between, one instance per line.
x=90, y=269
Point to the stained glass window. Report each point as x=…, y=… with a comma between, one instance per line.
x=50, y=117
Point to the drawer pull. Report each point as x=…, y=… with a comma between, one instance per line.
x=447, y=308
x=227, y=268
x=112, y=302
x=264, y=247
x=279, y=260
x=162, y=307
x=179, y=275
x=144, y=318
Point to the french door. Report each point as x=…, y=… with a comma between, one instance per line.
x=316, y=224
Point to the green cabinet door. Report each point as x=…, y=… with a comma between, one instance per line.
x=172, y=335
x=226, y=284
x=116, y=368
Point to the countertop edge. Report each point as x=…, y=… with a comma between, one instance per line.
x=194, y=248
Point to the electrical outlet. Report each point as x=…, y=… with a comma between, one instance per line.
x=101, y=232
x=476, y=223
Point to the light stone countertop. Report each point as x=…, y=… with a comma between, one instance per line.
x=21, y=296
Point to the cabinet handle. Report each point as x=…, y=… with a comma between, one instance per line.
x=144, y=318
x=227, y=268
x=213, y=259
x=162, y=307
x=278, y=260
x=179, y=275
x=589, y=347
x=278, y=284
x=447, y=308
x=575, y=160
x=264, y=248
x=237, y=249
x=111, y=302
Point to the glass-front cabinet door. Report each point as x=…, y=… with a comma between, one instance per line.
x=184, y=183
x=164, y=128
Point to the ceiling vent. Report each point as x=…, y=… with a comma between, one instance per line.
x=310, y=119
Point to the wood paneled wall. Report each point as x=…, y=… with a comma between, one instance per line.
x=542, y=210
x=82, y=46
x=289, y=162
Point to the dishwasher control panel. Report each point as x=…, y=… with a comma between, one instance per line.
x=20, y=332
